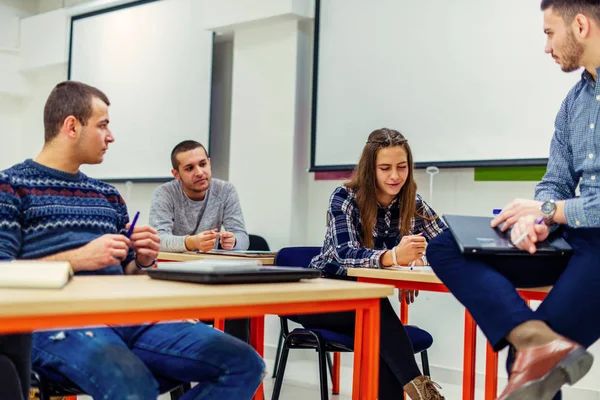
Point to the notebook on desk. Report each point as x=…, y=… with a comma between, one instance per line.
x=474, y=235
x=35, y=274
x=241, y=253
x=229, y=271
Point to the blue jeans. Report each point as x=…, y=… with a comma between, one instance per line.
x=128, y=362
x=485, y=285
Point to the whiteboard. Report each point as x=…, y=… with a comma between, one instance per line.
x=154, y=63
x=466, y=81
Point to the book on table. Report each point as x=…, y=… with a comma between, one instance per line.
x=29, y=274
x=240, y=253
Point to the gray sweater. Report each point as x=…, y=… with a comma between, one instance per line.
x=174, y=215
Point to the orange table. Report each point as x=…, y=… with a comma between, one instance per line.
x=89, y=300
x=428, y=281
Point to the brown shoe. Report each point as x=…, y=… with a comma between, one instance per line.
x=539, y=373
x=423, y=388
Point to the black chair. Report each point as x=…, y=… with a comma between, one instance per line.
x=303, y=257
x=322, y=340
x=258, y=243
x=52, y=384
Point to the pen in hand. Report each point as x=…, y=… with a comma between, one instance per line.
x=524, y=234
x=130, y=230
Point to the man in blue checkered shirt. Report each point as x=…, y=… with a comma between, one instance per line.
x=550, y=342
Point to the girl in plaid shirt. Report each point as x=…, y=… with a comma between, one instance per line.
x=377, y=220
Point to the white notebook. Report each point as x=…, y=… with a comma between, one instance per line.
x=211, y=265
x=35, y=274
x=242, y=253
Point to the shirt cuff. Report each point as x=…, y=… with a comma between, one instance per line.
x=173, y=244
x=375, y=259
x=575, y=213
x=239, y=244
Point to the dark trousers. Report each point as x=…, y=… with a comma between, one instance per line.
x=485, y=285
x=397, y=365
x=15, y=366
x=238, y=328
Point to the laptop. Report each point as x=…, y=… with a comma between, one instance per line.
x=211, y=272
x=474, y=235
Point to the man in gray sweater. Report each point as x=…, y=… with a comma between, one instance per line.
x=190, y=211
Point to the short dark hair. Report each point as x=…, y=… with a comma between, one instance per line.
x=568, y=9
x=66, y=99
x=182, y=147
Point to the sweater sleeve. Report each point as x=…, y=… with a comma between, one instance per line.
x=233, y=219
x=162, y=216
x=11, y=221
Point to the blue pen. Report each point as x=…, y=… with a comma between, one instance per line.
x=130, y=230
x=524, y=234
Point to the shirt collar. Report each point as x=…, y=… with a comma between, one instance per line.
x=588, y=78
x=391, y=205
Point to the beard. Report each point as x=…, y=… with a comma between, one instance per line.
x=571, y=53
x=194, y=188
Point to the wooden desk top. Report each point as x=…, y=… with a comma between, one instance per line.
x=191, y=256
x=396, y=275
x=109, y=294
x=410, y=276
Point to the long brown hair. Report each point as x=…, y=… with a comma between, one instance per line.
x=364, y=183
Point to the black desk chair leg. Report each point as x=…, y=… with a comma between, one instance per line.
x=280, y=371
x=425, y=362
x=278, y=353
x=330, y=363
x=323, y=358
x=178, y=392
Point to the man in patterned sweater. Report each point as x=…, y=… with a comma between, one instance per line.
x=49, y=210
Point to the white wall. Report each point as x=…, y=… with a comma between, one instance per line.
x=25, y=7
x=262, y=126
x=12, y=83
x=10, y=140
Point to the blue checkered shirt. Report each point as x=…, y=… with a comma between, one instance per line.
x=343, y=240
x=575, y=156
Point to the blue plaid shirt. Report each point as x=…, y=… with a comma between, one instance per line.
x=343, y=240
x=575, y=156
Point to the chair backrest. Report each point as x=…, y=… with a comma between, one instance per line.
x=296, y=256
x=258, y=243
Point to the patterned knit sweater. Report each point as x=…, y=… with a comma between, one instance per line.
x=44, y=211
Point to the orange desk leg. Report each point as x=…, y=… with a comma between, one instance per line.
x=358, y=353
x=335, y=377
x=404, y=319
x=257, y=340
x=219, y=324
x=469, y=357
x=491, y=370
x=491, y=373
x=404, y=312
x=368, y=363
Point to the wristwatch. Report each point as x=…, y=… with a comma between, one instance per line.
x=144, y=267
x=548, y=208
